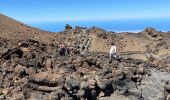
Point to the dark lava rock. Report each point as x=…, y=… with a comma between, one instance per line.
x=68, y=27
x=57, y=95
x=135, y=92
x=31, y=63
x=102, y=35
x=12, y=53
x=21, y=71
x=80, y=93
x=167, y=87
x=105, y=86
x=23, y=45
x=1, y=84
x=71, y=83
x=151, y=31
x=123, y=84
x=83, y=85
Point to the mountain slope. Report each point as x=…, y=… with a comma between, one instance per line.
x=12, y=29
x=100, y=40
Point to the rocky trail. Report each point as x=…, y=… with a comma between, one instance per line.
x=30, y=71
x=31, y=68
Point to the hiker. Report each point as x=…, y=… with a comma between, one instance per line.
x=112, y=52
x=62, y=50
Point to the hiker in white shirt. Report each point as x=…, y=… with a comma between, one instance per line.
x=112, y=52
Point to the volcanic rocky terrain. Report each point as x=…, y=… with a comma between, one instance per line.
x=31, y=68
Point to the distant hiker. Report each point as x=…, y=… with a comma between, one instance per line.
x=62, y=50
x=112, y=52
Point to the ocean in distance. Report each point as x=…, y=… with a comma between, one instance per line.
x=108, y=25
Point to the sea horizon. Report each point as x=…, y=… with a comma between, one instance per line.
x=134, y=25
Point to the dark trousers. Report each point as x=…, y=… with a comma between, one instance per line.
x=112, y=56
x=62, y=52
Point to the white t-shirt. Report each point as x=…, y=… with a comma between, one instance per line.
x=113, y=49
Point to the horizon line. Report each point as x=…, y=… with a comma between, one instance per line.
x=89, y=20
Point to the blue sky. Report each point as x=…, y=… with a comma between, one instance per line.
x=35, y=11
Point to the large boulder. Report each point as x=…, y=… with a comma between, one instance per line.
x=71, y=84
x=105, y=86
x=12, y=53
x=68, y=27
x=151, y=31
